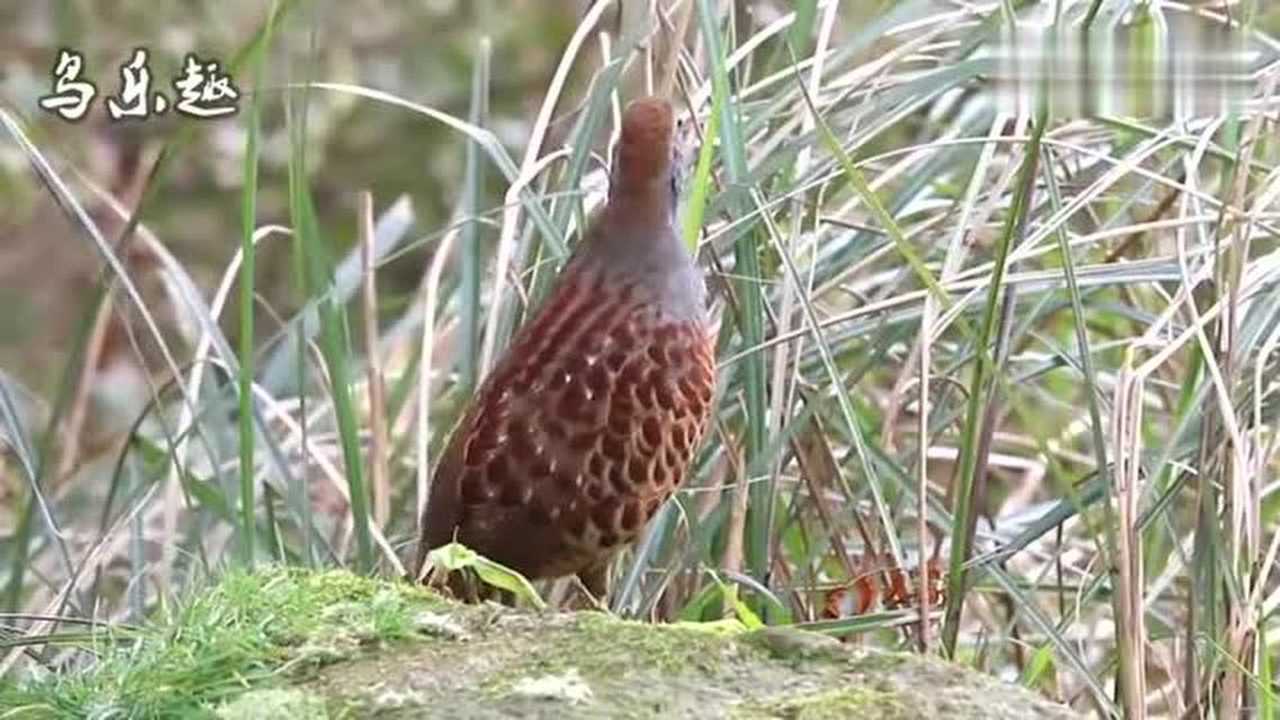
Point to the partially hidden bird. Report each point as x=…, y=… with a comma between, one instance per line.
x=591, y=418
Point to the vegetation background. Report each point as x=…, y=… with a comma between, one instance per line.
x=1034, y=354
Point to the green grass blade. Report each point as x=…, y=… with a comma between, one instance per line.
x=248, y=223
x=980, y=389
x=749, y=296
x=470, y=250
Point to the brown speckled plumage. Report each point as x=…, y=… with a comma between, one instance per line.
x=590, y=419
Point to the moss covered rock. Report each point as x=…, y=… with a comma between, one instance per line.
x=294, y=644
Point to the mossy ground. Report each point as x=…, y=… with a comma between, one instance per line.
x=299, y=645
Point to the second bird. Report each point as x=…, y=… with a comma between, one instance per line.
x=590, y=419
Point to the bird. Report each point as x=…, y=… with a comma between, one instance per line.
x=591, y=418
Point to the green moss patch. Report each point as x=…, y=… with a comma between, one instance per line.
x=828, y=705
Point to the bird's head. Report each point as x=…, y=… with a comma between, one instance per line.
x=647, y=158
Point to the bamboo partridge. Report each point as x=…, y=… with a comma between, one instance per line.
x=591, y=418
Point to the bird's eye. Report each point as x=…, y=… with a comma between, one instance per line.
x=677, y=171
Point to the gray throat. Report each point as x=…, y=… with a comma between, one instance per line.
x=649, y=254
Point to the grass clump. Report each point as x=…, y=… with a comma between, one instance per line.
x=247, y=630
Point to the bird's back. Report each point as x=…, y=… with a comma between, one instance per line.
x=584, y=428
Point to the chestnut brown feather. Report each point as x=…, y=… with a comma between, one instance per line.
x=591, y=418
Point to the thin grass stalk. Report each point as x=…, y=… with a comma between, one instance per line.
x=1246, y=481
x=379, y=482
x=426, y=368
x=735, y=527
x=1127, y=598
x=472, y=257
x=701, y=187
x=979, y=396
x=248, y=251
x=1085, y=357
x=337, y=355
x=77, y=414
x=1262, y=654
x=1202, y=616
